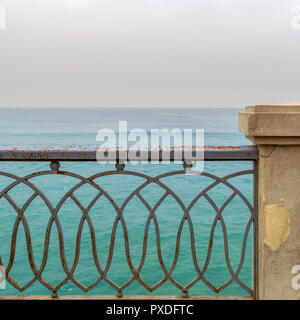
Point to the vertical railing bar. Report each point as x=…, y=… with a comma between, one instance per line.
x=255, y=230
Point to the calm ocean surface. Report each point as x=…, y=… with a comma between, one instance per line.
x=72, y=127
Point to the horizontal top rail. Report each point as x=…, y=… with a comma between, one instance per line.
x=79, y=153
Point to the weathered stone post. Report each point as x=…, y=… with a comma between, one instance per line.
x=275, y=129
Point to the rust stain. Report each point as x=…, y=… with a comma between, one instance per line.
x=95, y=148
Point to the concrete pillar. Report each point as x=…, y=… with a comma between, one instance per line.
x=275, y=129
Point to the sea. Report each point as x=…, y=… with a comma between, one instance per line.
x=78, y=127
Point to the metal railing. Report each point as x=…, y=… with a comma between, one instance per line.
x=55, y=155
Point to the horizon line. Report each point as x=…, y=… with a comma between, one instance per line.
x=133, y=107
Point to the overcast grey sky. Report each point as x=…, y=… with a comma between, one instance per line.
x=148, y=53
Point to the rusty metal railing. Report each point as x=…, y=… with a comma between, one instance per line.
x=55, y=155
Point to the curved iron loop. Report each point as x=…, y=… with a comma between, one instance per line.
x=120, y=218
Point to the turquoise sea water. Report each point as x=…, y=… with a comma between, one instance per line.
x=61, y=127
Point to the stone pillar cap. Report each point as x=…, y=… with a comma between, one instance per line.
x=275, y=107
x=277, y=123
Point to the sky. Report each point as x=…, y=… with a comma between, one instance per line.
x=149, y=53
